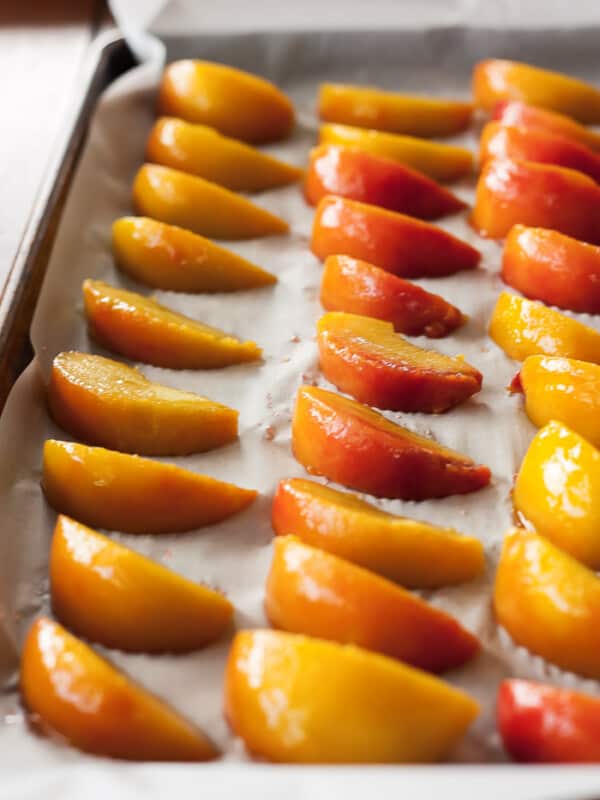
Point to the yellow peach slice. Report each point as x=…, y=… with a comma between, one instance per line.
x=108, y=403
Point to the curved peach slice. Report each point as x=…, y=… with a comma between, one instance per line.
x=301, y=700
x=349, y=443
x=77, y=694
x=366, y=359
x=349, y=284
x=442, y=162
x=93, y=579
x=525, y=328
x=234, y=102
x=203, y=151
x=549, y=602
x=108, y=403
x=172, y=196
x=400, y=244
x=498, y=79
x=358, y=175
x=539, y=195
x=168, y=257
x=412, y=552
x=534, y=118
x=367, y=107
x=127, y=493
x=318, y=594
x=141, y=329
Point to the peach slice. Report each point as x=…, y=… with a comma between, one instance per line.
x=75, y=693
x=108, y=403
x=349, y=443
x=203, y=151
x=442, y=162
x=301, y=700
x=498, y=79
x=400, y=244
x=525, y=328
x=549, y=602
x=167, y=257
x=234, y=102
x=172, y=196
x=366, y=359
x=358, y=175
x=141, y=329
x=412, y=552
x=318, y=594
x=127, y=493
x=534, y=118
x=349, y=284
x=539, y=195
x=549, y=266
x=93, y=579
x=368, y=107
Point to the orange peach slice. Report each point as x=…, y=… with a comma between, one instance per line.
x=442, y=162
x=234, y=102
x=108, y=403
x=75, y=693
x=366, y=359
x=175, y=197
x=534, y=118
x=127, y=493
x=549, y=602
x=167, y=257
x=301, y=700
x=141, y=329
x=349, y=443
x=203, y=151
x=409, y=551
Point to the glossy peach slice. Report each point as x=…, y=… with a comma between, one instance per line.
x=106, y=489
x=177, y=198
x=234, y=102
x=534, y=118
x=203, y=151
x=75, y=693
x=400, y=244
x=442, y=162
x=409, y=551
x=301, y=700
x=364, y=358
x=167, y=257
x=349, y=443
x=141, y=329
x=108, y=403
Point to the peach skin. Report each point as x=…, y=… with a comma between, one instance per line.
x=556, y=269
x=525, y=328
x=358, y=175
x=204, y=152
x=177, y=198
x=121, y=492
x=167, y=257
x=364, y=358
x=400, y=244
x=368, y=107
x=141, y=329
x=234, y=102
x=557, y=490
x=349, y=284
x=411, y=552
x=549, y=602
x=538, y=195
x=534, y=118
x=312, y=592
x=495, y=80
x=327, y=709
x=442, y=162
x=350, y=444
x=107, y=403
x=75, y=693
